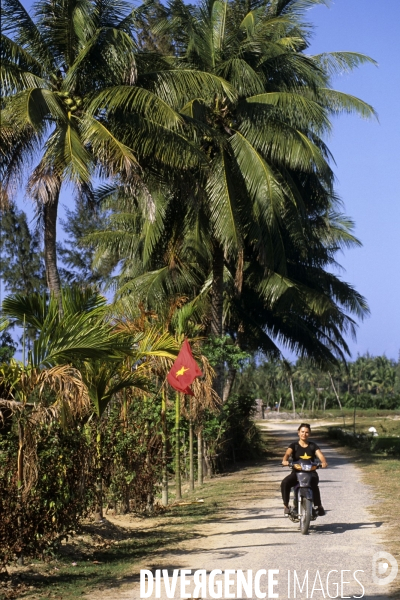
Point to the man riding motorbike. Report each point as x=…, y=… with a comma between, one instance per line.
x=303, y=449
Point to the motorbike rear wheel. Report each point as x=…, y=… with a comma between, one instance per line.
x=305, y=517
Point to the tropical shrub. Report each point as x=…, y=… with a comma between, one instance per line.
x=35, y=520
x=132, y=454
x=232, y=435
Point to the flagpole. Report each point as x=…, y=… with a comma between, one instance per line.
x=181, y=375
x=191, y=465
x=178, y=491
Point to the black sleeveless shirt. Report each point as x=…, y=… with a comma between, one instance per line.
x=307, y=453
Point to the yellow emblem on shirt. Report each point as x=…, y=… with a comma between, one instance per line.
x=305, y=456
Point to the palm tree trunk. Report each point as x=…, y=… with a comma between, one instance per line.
x=228, y=384
x=164, y=435
x=217, y=304
x=20, y=466
x=292, y=394
x=50, y=210
x=200, y=456
x=217, y=290
x=20, y=459
x=178, y=492
x=125, y=503
x=99, y=482
x=335, y=391
x=354, y=413
x=208, y=461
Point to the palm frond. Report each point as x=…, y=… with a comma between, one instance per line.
x=340, y=102
x=292, y=104
x=21, y=27
x=287, y=146
x=336, y=63
x=176, y=87
x=243, y=78
x=296, y=8
x=218, y=22
x=224, y=213
x=115, y=157
x=262, y=183
x=67, y=25
x=18, y=68
x=108, y=57
x=65, y=150
x=138, y=100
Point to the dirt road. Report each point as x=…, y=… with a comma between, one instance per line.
x=337, y=554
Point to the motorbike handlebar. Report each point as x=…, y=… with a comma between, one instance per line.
x=316, y=464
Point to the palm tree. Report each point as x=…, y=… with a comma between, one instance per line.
x=260, y=142
x=267, y=158
x=308, y=309
x=257, y=231
x=80, y=99
x=48, y=385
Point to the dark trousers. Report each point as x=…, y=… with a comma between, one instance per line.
x=291, y=480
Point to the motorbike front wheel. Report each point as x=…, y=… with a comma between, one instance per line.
x=305, y=517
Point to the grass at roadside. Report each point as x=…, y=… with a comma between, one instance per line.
x=385, y=424
x=347, y=413
x=101, y=556
x=382, y=473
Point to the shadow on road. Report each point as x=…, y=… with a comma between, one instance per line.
x=335, y=528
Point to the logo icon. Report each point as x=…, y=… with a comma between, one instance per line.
x=384, y=568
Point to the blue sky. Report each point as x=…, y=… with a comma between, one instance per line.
x=367, y=157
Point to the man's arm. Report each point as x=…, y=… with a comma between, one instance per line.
x=288, y=454
x=321, y=458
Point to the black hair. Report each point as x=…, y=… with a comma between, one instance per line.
x=304, y=425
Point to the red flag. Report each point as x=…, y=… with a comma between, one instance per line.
x=184, y=370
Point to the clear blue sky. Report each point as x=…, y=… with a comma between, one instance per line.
x=367, y=155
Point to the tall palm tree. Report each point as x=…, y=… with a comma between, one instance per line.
x=270, y=133
x=266, y=155
x=80, y=99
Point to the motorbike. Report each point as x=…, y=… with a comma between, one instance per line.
x=302, y=511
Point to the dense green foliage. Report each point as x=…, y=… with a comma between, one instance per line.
x=232, y=435
x=21, y=262
x=7, y=347
x=35, y=522
x=367, y=382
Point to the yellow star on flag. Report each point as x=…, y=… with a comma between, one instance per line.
x=181, y=371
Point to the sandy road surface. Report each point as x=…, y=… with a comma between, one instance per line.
x=258, y=537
